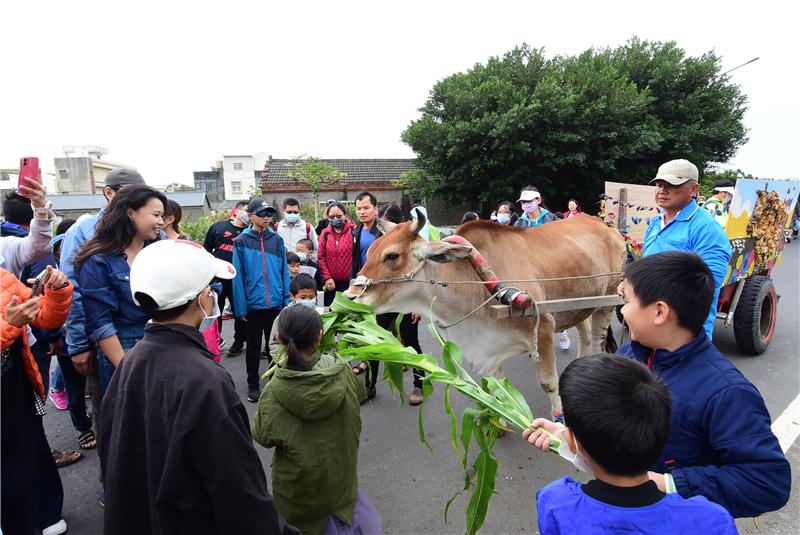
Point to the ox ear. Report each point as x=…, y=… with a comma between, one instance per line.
x=385, y=226
x=418, y=223
x=441, y=251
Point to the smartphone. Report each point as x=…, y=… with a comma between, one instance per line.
x=38, y=284
x=29, y=168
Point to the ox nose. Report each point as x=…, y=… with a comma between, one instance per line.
x=357, y=287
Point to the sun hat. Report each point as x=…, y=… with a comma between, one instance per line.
x=173, y=272
x=529, y=195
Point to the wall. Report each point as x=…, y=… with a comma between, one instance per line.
x=245, y=176
x=74, y=175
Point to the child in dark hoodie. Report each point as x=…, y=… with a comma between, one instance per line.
x=309, y=412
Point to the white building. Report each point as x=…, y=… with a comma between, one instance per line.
x=242, y=174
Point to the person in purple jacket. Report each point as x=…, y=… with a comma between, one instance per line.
x=721, y=445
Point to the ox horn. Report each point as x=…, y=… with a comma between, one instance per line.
x=418, y=223
x=385, y=226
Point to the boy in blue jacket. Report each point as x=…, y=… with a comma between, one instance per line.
x=720, y=445
x=617, y=415
x=261, y=288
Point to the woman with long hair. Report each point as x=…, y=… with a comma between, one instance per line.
x=335, y=253
x=172, y=221
x=309, y=412
x=114, y=322
x=573, y=209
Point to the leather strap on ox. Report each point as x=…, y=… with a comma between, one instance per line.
x=505, y=294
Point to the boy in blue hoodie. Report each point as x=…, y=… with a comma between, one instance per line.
x=617, y=415
x=721, y=445
x=261, y=288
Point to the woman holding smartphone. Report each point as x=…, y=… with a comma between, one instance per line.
x=114, y=322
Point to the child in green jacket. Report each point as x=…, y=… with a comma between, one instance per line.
x=309, y=412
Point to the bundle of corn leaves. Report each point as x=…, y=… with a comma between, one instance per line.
x=352, y=331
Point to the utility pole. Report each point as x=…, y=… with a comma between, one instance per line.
x=738, y=66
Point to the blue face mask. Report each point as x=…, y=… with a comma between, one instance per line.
x=208, y=319
x=292, y=218
x=503, y=219
x=303, y=256
x=309, y=303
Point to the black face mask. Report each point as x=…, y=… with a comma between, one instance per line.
x=336, y=223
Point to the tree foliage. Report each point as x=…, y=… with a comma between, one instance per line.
x=178, y=187
x=316, y=174
x=567, y=124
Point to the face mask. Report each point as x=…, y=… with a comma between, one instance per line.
x=493, y=217
x=576, y=459
x=530, y=206
x=208, y=319
x=503, y=219
x=310, y=303
x=337, y=223
x=303, y=256
x=245, y=218
x=292, y=218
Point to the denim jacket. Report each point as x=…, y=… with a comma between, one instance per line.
x=108, y=304
x=79, y=233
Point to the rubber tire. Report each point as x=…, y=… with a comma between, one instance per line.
x=754, y=319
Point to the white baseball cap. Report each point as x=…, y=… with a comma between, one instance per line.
x=529, y=195
x=677, y=172
x=173, y=272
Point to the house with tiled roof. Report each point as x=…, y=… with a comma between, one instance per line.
x=381, y=176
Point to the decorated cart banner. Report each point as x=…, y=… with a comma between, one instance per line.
x=759, y=213
x=630, y=206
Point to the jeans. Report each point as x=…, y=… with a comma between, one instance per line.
x=75, y=385
x=239, y=327
x=259, y=324
x=57, y=379
x=128, y=336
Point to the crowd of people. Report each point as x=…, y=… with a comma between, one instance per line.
x=674, y=435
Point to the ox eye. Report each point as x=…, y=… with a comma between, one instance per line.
x=391, y=257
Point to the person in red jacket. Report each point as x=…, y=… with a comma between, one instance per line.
x=32, y=495
x=335, y=252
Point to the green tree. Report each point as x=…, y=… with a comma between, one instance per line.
x=316, y=174
x=567, y=124
x=178, y=187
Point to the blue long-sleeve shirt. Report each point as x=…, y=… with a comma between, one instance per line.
x=79, y=233
x=262, y=275
x=107, y=299
x=720, y=444
x=695, y=230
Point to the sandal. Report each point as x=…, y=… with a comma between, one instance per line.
x=87, y=440
x=360, y=368
x=66, y=458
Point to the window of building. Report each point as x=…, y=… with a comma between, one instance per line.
x=236, y=187
x=63, y=174
x=237, y=166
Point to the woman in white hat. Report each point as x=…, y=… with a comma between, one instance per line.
x=533, y=213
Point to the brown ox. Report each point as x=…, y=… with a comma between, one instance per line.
x=568, y=248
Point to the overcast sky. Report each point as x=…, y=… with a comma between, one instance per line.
x=169, y=87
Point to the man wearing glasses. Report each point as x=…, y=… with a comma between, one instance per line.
x=293, y=228
x=261, y=288
x=684, y=226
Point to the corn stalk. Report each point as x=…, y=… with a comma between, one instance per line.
x=351, y=329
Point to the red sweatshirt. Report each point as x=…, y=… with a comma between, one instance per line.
x=335, y=253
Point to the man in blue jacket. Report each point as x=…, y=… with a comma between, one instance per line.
x=721, y=445
x=261, y=288
x=684, y=226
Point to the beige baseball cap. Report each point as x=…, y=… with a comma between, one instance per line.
x=677, y=172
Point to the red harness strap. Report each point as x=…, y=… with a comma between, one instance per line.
x=650, y=358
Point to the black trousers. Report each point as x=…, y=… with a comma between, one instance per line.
x=31, y=492
x=409, y=334
x=331, y=294
x=259, y=324
x=75, y=385
x=239, y=327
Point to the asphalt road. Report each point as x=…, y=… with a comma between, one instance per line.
x=409, y=486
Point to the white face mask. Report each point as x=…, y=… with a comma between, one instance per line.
x=576, y=458
x=208, y=319
x=303, y=256
x=310, y=303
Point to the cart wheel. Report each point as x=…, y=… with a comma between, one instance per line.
x=754, y=319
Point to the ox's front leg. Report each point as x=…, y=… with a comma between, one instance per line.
x=546, y=365
x=585, y=337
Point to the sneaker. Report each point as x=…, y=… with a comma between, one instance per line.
x=253, y=393
x=563, y=340
x=416, y=398
x=222, y=343
x=371, y=393
x=59, y=399
x=265, y=355
x=235, y=349
x=226, y=315
x=56, y=529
